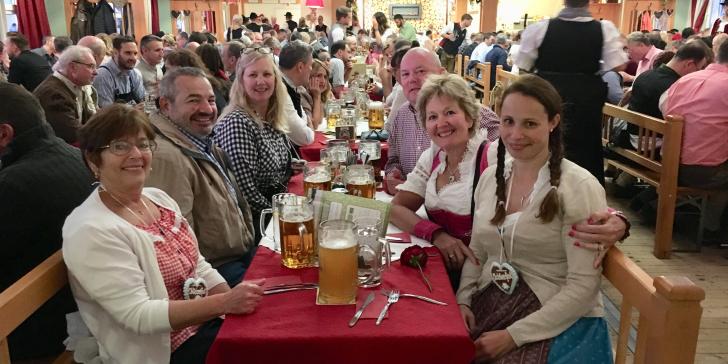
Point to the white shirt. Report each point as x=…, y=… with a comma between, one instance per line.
x=394, y=101
x=480, y=52
x=337, y=72
x=338, y=32
x=613, y=54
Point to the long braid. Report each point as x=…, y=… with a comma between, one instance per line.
x=551, y=204
x=500, y=209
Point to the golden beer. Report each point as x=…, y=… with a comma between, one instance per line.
x=313, y=182
x=376, y=115
x=298, y=241
x=331, y=120
x=338, y=276
x=361, y=187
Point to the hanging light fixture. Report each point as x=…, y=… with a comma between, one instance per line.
x=315, y=4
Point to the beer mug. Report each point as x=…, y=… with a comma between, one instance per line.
x=333, y=113
x=277, y=199
x=376, y=115
x=348, y=116
x=296, y=229
x=337, y=263
x=359, y=180
x=371, y=251
x=370, y=150
x=316, y=177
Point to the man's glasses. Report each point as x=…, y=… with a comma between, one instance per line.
x=122, y=148
x=259, y=49
x=89, y=65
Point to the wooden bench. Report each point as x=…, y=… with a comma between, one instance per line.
x=479, y=76
x=458, y=70
x=669, y=313
x=27, y=295
x=502, y=80
x=648, y=164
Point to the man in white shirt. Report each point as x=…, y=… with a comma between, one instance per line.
x=150, y=64
x=454, y=35
x=340, y=67
x=482, y=50
x=295, y=63
x=338, y=29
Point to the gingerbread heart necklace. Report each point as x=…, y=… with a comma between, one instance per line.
x=503, y=274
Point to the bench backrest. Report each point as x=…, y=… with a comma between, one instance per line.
x=25, y=296
x=669, y=312
x=502, y=80
x=479, y=75
x=459, y=65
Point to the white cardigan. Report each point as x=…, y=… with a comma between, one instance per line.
x=116, y=281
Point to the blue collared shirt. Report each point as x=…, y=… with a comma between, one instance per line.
x=112, y=81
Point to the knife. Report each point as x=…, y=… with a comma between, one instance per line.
x=357, y=315
x=283, y=289
x=426, y=299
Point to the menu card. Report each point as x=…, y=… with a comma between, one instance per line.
x=338, y=206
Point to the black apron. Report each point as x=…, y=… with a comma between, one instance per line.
x=124, y=98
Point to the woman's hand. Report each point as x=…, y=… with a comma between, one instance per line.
x=375, y=25
x=468, y=317
x=316, y=86
x=453, y=250
x=492, y=345
x=243, y=298
x=600, y=232
x=392, y=180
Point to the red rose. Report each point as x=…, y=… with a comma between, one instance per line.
x=414, y=256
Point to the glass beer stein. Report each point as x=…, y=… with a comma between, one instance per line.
x=359, y=180
x=376, y=115
x=333, y=114
x=316, y=177
x=337, y=263
x=296, y=230
x=371, y=251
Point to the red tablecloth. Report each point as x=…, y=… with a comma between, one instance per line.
x=291, y=328
x=312, y=152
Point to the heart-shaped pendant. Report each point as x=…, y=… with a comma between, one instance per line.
x=194, y=288
x=504, y=276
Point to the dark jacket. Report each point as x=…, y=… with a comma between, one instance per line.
x=103, y=18
x=59, y=104
x=28, y=70
x=42, y=179
x=81, y=21
x=497, y=57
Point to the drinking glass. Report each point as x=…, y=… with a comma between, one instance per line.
x=316, y=177
x=359, y=180
x=333, y=113
x=296, y=229
x=376, y=115
x=337, y=263
x=371, y=251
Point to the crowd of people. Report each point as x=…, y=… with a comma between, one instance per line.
x=148, y=161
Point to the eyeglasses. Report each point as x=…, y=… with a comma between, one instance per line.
x=89, y=65
x=122, y=148
x=259, y=49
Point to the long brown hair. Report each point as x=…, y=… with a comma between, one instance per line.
x=542, y=91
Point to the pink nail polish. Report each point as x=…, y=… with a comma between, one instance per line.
x=576, y=243
x=571, y=233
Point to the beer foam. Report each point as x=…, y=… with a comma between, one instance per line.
x=376, y=105
x=318, y=178
x=337, y=243
x=360, y=180
x=295, y=216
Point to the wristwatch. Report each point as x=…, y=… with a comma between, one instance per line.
x=624, y=218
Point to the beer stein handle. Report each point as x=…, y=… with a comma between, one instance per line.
x=387, y=251
x=364, y=156
x=261, y=222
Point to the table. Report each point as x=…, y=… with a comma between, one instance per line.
x=290, y=328
x=312, y=152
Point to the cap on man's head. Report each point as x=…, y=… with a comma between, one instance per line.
x=253, y=16
x=288, y=14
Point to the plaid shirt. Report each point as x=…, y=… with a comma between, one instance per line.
x=407, y=138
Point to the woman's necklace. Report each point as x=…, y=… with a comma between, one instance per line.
x=138, y=216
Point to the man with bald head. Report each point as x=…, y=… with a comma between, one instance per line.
x=97, y=47
x=407, y=138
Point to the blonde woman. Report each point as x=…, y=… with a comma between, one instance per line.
x=236, y=31
x=314, y=97
x=252, y=129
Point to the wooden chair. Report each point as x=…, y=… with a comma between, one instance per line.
x=25, y=296
x=657, y=169
x=502, y=80
x=669, y=313
x=458, y=70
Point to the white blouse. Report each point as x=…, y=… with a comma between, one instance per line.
x=455, y=196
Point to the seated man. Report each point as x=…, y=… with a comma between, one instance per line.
x=498, y=56
x=190, y=168
x=340, y=67
x=118, y=81
x=699, y=98
x=67, y=96
x=295, y=63
x=42, y=179
x=407, y=138
x=640, y=50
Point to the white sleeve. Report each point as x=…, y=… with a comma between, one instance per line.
x=298, y=130
x=447, y=29
x=417, y=179
x=530, y=42
x=337, y=34
x=337, y=73
x=613, y=54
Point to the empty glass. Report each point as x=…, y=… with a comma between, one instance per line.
x=371, y=251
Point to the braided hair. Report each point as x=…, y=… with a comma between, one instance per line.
x=543, y=92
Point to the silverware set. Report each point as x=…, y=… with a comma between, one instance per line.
x=290, y=288
x=393, y=297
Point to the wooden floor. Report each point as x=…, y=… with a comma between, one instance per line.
x=708, y=269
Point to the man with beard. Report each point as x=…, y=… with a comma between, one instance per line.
x=26, y=68
x=195, y=172
x=118, y=81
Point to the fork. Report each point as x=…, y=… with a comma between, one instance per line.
x=393, y=297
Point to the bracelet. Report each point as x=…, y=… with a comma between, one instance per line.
x=425, y=229
x=621, y=215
